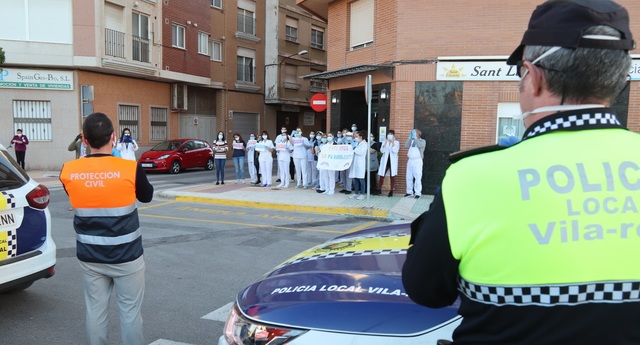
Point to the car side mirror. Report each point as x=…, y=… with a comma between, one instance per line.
x=183, y=150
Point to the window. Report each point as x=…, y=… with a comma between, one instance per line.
x=114, y=36
x=317, y=37
x=507, y=125
x=177, y=36
x=140, y=37
x=215, y=50
x=246, y=65
x=361, y=24
x=291, y=29
x=203, y=43
x=128, y=118
x=216, y=3
x=246, y=21
x=34, y=118
x=291, y=77
x=158, y=123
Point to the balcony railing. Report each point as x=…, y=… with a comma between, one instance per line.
x=245, y=72
x=246, y=24
x=140, y=48
x=113, y=43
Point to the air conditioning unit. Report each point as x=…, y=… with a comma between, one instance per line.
x=178, y=97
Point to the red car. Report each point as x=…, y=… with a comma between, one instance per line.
x=178, y=154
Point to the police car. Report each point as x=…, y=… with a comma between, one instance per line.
x=27, y=251
x=345, y=291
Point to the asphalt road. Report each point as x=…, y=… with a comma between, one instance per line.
x=198, y=257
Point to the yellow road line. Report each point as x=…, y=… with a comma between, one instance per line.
x=361, y=226
x=296, y=208
x=156, y=205
x=243, y=224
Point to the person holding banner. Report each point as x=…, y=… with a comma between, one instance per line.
x=358, y=168
x=265, y=148
x=312, y=172
x=327, y=176
x=251, y=163
x=239, y=152
x=389, y=162
x=283, y=153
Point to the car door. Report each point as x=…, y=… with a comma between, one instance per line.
x=202, y=157
x=190, y=156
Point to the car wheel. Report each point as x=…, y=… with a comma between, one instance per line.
x=209, y=165
x=18, y=288
x=175, y=167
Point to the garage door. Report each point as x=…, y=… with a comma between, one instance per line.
x=246, y=123
x=198, y=126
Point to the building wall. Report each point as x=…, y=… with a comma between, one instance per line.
x=195, y=17
x=109, y=93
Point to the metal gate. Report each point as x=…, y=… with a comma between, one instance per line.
x=245, y=124
x=198, y=126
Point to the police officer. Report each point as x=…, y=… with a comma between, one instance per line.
x=103, y=190
x=539, y=240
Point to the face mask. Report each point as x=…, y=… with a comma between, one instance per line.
x=298, y=134
x=220, y=136
x=252, y=138
x=330, y=138
x=371, y=138
x=311, y=136
x=339, y=135
x=557, y=108
x=264, y=137
x=389, y=136
x=354, y=129
x=355, y=140
x=283, y=130
x=237, y=138
x=324, y=140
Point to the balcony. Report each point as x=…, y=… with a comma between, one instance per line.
x=140, y=48
x=113, y=43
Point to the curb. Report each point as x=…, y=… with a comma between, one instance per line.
x=357, y=211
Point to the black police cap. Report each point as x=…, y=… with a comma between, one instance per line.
x=563, y=23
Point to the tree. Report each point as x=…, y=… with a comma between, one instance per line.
x=1, y=58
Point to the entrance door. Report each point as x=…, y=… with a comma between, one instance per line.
x=286, y=119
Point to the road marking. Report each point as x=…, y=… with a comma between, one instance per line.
x=242, y=224
x=221, y=314
x=156, y=205
x=361, y=226
x=168, y=342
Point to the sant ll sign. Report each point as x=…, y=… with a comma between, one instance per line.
x=493, y=71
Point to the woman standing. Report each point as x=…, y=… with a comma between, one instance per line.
x=265, y=147
x=329, y=176
x=239, y=150
x=20, y=142
x=220, y=148
x=389, y=162
x=283, y=154
x=127, y=145
x=251, y=150
x=359, y=166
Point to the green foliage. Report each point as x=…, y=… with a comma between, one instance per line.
x=1, y=58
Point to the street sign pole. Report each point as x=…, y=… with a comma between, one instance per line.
x=368, y=165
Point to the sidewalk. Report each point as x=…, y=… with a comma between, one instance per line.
x=286, y=199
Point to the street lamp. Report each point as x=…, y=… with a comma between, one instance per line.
x=302, y=52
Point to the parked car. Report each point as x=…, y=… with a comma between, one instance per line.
x=178, y=154
x=345, y=291
x=27, y=251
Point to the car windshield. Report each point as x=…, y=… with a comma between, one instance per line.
x=11, y=176
x=167, y=146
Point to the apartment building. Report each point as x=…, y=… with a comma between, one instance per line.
x=162, y=68
x=436, y=66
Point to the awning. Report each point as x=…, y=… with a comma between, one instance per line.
x=345, y=71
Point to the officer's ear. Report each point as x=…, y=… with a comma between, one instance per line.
x=84, y=140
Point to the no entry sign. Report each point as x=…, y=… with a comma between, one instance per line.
x=319, y=102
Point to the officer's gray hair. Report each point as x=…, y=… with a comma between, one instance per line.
x=584, y=74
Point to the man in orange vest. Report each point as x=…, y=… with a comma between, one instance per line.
x=103, y=190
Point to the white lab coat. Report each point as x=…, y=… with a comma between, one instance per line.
x=359, y=165
x=389, y=152
x=127, y=150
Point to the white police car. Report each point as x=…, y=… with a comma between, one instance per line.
x=27, y=251
x=345, y=291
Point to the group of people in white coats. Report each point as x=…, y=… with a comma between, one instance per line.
x=303, y=152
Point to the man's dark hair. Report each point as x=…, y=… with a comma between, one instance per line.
x=97, y=129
